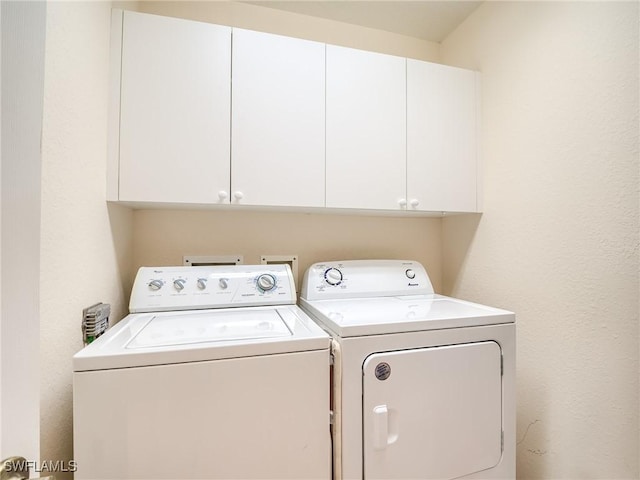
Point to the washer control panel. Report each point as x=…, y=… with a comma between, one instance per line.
x=184, y=288
x=365, y=278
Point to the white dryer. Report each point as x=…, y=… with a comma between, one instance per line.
x=423, y=384
x=215, y=374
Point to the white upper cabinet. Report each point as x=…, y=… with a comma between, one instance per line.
x=278, y=118
x=174, y=110
x=442, y=149
x=366, y=129
x=300, y=124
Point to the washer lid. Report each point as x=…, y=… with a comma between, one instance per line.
x=182, y=328
x=146, y=339
x=376, y=316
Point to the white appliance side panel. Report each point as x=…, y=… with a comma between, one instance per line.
x=175, y=110
x=278, y=118
x=438, y=415
x=250, y=418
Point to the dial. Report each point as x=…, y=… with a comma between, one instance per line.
x=333, y=276
x=179, y=284
x=156, y=285
x=223, y=283
x=266, y=282
x=201, y=283
x=410, y=274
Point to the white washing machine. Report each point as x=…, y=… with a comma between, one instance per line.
x=215, y=374
x=423, y=384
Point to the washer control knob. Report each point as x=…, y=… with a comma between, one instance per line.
x=333, y=276
x=201, y=283
x=410, y=274
x=156, y=285
x=179, y=284
x=266, y=282
x=223, y=283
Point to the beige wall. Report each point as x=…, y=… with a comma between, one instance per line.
x=162, y=237
x=85, y=246
x=558, y=240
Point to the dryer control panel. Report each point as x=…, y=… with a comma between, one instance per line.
x=159, y=289
x=365, y=279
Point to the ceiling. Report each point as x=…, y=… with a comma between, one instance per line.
x=428, y=20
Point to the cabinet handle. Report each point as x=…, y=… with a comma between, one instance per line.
x=414, y=202
x=402, y=202
x=238, y=195
x=222, y=195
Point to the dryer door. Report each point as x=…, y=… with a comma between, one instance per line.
x=432, y=413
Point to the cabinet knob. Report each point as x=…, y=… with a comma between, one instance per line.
x=414, y=202
x=238, y=195
x=222, y=195
x=402, y=202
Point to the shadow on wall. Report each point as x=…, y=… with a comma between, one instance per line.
x=121, y=223
x=458, y=232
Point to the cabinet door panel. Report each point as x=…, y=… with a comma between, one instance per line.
x=174, y=110
x=366, y=129
x=278, y=118
x=442, y=151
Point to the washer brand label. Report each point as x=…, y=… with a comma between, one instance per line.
x=383, y=371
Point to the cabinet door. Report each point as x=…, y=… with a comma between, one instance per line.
x=442, y=150
x=366, y=129
x=174, y=110
x=278, y=120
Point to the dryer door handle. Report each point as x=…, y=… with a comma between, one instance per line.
x=380, y=427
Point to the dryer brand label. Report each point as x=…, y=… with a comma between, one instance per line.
x=383, y=371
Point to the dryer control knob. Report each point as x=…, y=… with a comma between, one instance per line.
x=179, y=284
x=410, y=274
x=223, y=283
x=202, y=283
x=156, y=285
x=333, y=276
x=266, y=282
